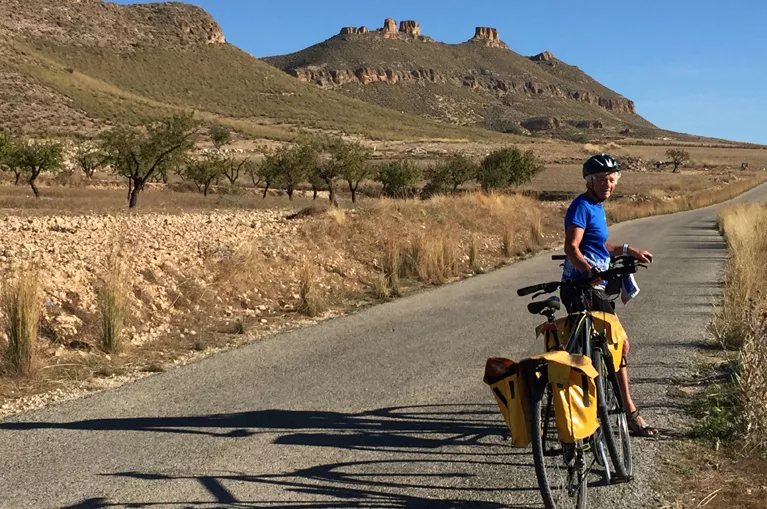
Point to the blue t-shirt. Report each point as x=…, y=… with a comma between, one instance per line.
x=590, y=216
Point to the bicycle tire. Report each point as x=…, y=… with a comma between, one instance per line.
x=551, y=469
x=612, y=418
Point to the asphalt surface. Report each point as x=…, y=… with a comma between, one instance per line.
x=382, y=409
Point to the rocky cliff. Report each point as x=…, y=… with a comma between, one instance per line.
x=480, y=80
x=99, y=23
x=331, y=78
x=408, y=30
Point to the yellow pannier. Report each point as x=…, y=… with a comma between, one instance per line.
x=507, y=381
x=610, y=326
x=574, y=393
x=601, y=322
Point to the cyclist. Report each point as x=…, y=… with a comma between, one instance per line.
x=588, y=252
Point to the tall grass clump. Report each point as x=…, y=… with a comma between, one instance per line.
x=741, y=320
x=392, y=263
x=112, y=292
x=474, y=265
x=431, y=257
x=21, y=303
x=310, y=302
x=507, y=242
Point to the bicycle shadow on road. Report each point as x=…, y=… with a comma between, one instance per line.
x=424, y=450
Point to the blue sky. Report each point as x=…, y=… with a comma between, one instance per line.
x=690, y=66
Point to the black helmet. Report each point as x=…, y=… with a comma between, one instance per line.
x=600, y=163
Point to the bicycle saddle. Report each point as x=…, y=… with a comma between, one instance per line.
x=538, y=307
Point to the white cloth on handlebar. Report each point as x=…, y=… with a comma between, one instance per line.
x=629, y=288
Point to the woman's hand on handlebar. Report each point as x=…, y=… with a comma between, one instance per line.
x=640, y=254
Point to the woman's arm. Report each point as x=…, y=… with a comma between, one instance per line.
x=640, y=254
x=573, y=237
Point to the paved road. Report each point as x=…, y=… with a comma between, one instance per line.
x=383, y=409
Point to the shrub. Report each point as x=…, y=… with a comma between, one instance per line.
x=22, y=303
x=508, y=167
x=399, y=179
x=451, y=174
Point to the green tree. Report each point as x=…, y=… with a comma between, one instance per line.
x=220, y=136
x=678, y=157
x=451, y=174
x=348, y=160
x=231, y=168
x=140, y=155
x=204, y=172
x=508, y=167
x=89, y=158
x=399, y=178
x=295, y=163
x=269, y=171
x=9, y=152
x=36, y=157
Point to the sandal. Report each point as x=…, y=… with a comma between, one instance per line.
x=637, y=429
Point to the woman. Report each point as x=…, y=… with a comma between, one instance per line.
x=588, y=253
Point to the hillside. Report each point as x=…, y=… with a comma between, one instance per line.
x=480, y=81
x=72, y=65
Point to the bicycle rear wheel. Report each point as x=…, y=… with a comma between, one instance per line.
x=560, y=468
x=612, y=419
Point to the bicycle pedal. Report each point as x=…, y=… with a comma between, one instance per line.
x=621, y=480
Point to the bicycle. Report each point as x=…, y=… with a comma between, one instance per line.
x=562, y=469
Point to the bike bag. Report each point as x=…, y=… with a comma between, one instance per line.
x=601, y=322
x=507, y=381
x=609, y=325
x=574, y=394
x=563, y=326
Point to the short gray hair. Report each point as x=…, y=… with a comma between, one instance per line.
x=590, y=178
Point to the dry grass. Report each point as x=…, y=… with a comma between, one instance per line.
x=380, y=287
x=474, y=266
x=392, y=264
x=507, y=243
x=112, y=297
x=741, y=321
x=22, y=305
x=432, y=257
x=311, y=302
x=624, y=211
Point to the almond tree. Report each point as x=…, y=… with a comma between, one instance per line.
x=350, y=161
x=89, y=158
x=9, y=151
x=36, y=157
x=204, y=172
x=678, y=157
x=231, y=168
x=140, y=155
x=220, y=136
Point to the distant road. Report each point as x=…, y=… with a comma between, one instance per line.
x=382, y=409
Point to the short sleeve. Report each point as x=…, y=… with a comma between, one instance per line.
x=577, y=214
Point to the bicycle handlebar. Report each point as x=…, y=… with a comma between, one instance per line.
x=630, y=266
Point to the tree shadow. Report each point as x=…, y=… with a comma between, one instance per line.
x=424, y=450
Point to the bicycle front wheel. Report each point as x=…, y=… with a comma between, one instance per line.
x=560, y=468
x=612, y=418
